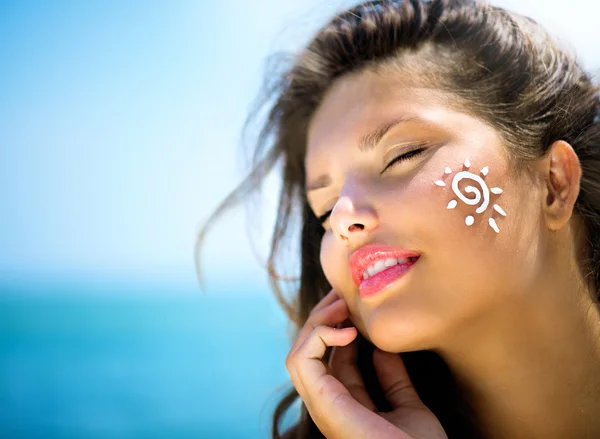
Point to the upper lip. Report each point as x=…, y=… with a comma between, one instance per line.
x=365, y=256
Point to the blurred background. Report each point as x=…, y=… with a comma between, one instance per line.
x=120, y=126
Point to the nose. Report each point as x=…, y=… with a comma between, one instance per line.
x=350, y=221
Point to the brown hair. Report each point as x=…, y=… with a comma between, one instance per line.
x=500, y=66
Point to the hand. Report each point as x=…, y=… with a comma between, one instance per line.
x=334, y=394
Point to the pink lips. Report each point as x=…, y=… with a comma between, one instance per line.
x=364, y=257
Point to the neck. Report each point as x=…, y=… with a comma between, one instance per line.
x=532, y=368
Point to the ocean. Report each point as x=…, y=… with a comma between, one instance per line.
x=122, y=364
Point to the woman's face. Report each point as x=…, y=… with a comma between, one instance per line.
x=463, y=271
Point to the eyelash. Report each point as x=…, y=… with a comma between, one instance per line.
x=415, y=152
x=400, y=158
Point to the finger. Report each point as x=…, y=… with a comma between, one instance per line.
x=330, y=315
x=343, y=365
x=336, y=413
x=394, y=380
x=327, y=300
x=308, y=360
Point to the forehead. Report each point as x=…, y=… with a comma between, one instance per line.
x=359, y=102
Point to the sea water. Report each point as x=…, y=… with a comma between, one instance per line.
x=76, y=363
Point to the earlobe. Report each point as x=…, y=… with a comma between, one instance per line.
x=563, y=175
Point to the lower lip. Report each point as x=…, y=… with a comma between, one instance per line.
x=374, y=284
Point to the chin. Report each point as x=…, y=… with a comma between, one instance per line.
x=397, y=337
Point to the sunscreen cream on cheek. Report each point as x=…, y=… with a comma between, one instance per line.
x=479, y=195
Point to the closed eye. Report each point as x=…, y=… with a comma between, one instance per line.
x=409, y=155
x=403, y=157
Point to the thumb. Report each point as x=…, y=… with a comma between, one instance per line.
x=394, y=380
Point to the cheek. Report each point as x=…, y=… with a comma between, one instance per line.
x=469, y=198
x=468, y=191
x=474, y=225
x=330, y=260
x=334, y=261
x=482, y=238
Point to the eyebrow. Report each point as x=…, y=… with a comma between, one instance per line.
x=365, y=144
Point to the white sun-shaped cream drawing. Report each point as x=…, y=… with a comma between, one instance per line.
x=482, y=195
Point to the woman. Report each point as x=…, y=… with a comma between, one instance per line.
x=444, y=160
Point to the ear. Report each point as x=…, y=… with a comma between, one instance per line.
x=562, y=173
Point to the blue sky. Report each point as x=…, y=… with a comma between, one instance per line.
x=120, y=125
